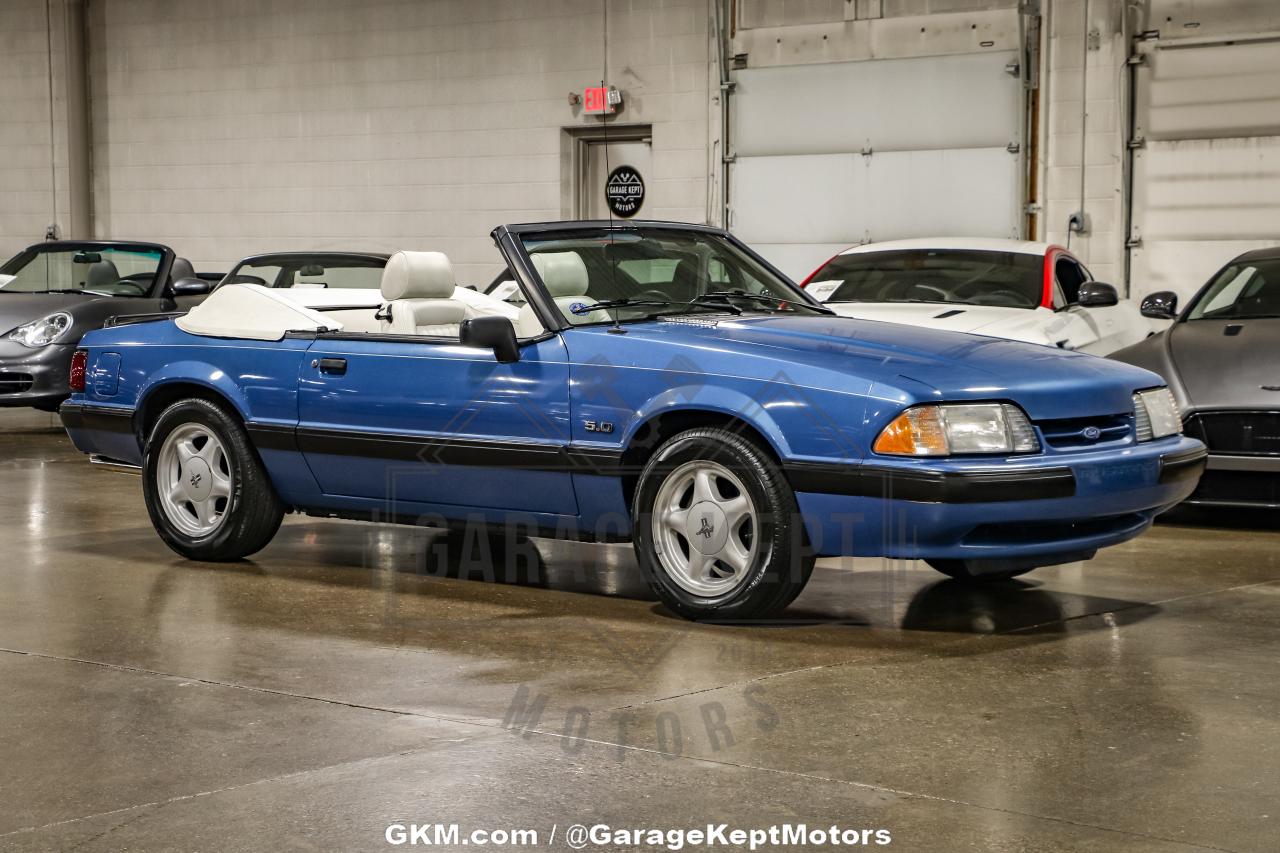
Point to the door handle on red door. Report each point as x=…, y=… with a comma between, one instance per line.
x=335, y=366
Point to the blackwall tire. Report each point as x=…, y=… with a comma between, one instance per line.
x=717, y=530
x=206, y=491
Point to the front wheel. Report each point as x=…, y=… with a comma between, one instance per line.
x=717, y=529
x=206, y=491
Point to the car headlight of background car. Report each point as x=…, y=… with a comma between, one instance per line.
x=958, y=428
x=1156, y=414
x=42, y=332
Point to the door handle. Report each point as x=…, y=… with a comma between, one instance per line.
x=335, y=366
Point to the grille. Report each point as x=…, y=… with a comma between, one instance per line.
x=1077, y=433
x=1242, y=433
x=15, y=383
x=1238, y=488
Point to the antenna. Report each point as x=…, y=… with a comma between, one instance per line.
x=611, y=256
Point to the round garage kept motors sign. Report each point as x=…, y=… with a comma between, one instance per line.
x=624, y=191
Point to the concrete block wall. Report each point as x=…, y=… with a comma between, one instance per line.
x=1092, y=84
x=233, y=127
x=32, y=149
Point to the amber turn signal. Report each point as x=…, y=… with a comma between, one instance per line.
x=915, y=432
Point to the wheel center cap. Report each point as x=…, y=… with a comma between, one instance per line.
x=197, y=479
x=707, y=528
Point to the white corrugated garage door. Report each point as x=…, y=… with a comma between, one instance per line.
x=835, y=154
x=1206, y=181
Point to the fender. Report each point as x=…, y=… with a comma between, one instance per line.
x=726, y=401
x=269, y=414
x=1156, y=354
x=196, y=373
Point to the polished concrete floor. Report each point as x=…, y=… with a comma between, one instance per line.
x=344, y=680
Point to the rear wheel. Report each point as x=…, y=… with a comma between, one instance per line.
x=717, y=529
x=206, y=491
x=960, y=570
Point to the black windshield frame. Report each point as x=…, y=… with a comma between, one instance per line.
x=159, y=284
x=1268, y=267
x=513, y=241
x=291, y=262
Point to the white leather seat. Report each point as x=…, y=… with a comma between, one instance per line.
x=418, y=288
x=483, y=305
x=565, y=276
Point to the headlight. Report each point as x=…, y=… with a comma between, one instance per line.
x=1156, y=414
x=42, y=332
x=958, y=428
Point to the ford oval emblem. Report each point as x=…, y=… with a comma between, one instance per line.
x=1092, y=433
x=578, y=308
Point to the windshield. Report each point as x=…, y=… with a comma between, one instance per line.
x=597, y=275
x=951, y=276
x=315, y=272
x=100, y=270
x=1241, y=291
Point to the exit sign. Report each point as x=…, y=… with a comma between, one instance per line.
x=600, y=100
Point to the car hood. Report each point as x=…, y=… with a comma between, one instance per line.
x=1222, y=371
x=19, y=308
x=827, y=352
x=1018, y=324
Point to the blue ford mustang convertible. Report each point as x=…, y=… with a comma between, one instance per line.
x=651, y=381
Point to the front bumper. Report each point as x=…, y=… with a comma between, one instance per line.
x=1059, y=504
x=34, y=377
x=1239, y=481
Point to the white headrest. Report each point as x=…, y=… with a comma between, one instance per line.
x=417, y=275
x=563, y=273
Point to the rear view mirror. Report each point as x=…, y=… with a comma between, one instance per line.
x=1096, y=294
x=495, y=333
x=311, y=270
x=1162, y=305
x=86, y=258
x=190, y=287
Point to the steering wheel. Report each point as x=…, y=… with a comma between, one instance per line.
x=128, y=281
x=652, y=295
x=943, y=295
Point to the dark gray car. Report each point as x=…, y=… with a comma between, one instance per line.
x=52, y=293
x=1221, y=357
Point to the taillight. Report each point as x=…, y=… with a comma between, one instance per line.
x=79, y=364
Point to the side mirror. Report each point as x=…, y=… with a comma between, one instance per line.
x=1162, y=305
x=1096, y=294
x=190, y=287
x=495, y=333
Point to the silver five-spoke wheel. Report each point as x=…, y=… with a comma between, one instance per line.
x=705, y=528
x=194, y=479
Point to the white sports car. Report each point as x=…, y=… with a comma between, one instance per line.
x=1012, y=289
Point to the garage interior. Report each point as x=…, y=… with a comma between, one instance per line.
x=353, y=676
